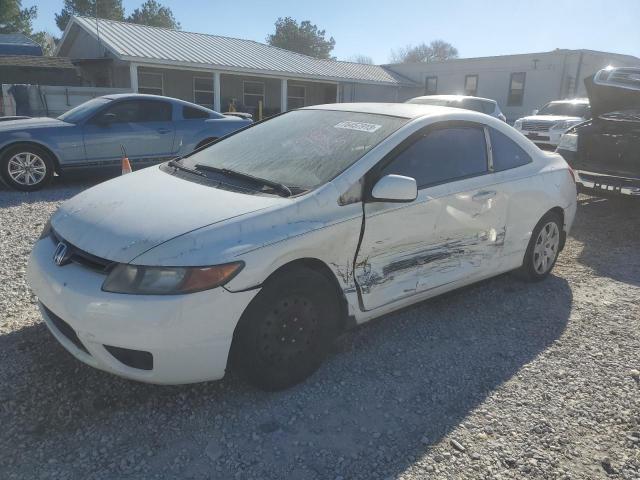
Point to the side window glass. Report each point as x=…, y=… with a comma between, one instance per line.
x=442, y=155
x=506, y=153
x=136, y=112
x=152, y=111
x=121, y=112
x=192, y=112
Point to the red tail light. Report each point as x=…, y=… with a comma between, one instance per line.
x=571, y=172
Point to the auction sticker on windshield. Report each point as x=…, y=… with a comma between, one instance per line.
x=360, y=126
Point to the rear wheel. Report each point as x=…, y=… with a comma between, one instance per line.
x=543, y=249
x=286, y=331
x=26, y=167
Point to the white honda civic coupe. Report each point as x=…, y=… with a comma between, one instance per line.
x=259, y=249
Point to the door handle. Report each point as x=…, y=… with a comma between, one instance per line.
x=162, y=131
x=484, y=195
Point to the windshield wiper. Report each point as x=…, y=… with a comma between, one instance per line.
x=178, y=166
x=279, y=187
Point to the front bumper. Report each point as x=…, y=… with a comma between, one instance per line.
x=601, y=183
x=548, y=138
x=188, y=336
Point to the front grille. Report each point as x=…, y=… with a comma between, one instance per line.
x=65, y=329
x=537, y=125
x=80, y=257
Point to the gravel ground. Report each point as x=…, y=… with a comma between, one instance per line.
x=503, y=380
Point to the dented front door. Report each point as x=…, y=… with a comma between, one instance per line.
x=469, y=235
x=388, y=260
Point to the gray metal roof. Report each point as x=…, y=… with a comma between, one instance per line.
x=133, y=42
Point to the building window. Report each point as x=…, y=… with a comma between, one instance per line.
x=431, y=85
x=296, y=96
x=471, y=85
x=203, y=91
x=516, y=89
x=151, y=83
x=253, y=93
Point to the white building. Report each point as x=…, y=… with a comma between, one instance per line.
x=519, y=83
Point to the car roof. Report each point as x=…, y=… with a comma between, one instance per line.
x=119, y=96
x=404, y=110
x=454, y=98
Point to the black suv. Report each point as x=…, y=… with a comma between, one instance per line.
x=605, y=151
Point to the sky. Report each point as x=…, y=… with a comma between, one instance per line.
x=475, y=27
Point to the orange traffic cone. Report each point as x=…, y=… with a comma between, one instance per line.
x=126, y=166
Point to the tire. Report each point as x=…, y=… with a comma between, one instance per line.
x=26, y=167
x=543, y=249
x=285, y=333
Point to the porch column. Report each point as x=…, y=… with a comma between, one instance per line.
x=337, y=93
x=133, y=72
x=283, y=95
x=216, y=91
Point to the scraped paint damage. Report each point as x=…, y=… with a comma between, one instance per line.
x=441, y=258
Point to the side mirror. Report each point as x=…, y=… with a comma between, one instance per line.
x=535, y=111
x=395, y=188
x=107, y=119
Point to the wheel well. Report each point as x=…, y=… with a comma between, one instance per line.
x=320, y=267
x=52, y=156
x=206, y=141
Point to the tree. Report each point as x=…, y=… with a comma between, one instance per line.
x=359, y=58
x=436, y=51
x=47, y=41
x=15, y=19
x=109, y=9
x=302, y=38
x=154, y=14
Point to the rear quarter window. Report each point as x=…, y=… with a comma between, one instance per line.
x=507, y=154
x=190, y=113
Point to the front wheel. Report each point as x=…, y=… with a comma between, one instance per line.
x=286, y=331
x=543, y=249
x=26, y=167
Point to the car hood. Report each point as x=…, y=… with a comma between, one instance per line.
x=610, y=98
x=122, y=218
x=29, y=123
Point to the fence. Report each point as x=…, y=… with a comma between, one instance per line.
x=47, y=100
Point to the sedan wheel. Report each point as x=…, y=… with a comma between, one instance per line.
x=543, y=249
x=546, y=248
x=26, y=168
x=284, y=335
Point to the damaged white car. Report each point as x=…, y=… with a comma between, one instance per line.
x=258, y=250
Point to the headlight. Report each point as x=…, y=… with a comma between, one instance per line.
x=518, y=124
x=46, y=231
x=569, y=141
x=140, y=280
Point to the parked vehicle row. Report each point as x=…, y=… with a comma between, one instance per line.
x=279, y=236
x=92, y=136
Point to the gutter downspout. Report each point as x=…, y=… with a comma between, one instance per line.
x=575, y=85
